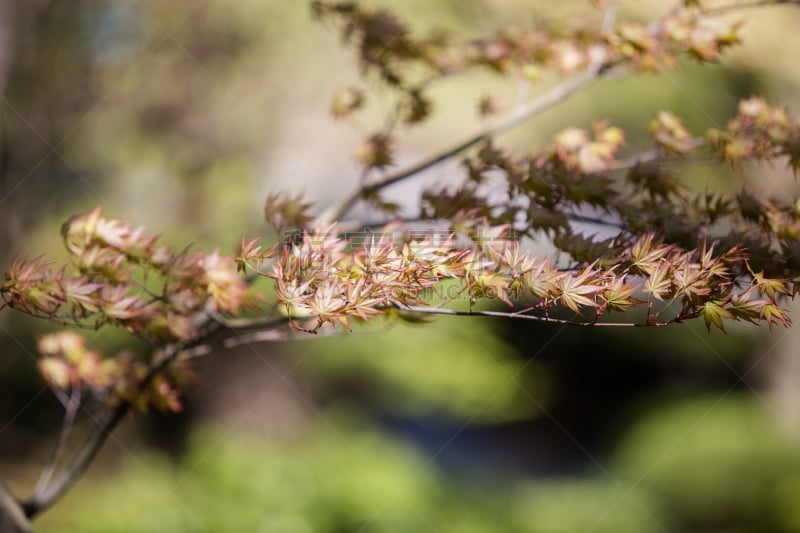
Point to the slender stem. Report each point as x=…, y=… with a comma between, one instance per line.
x=520, y=115
x=194, y=353
x=515, y=315
x=642, y=158
x=654, y=154
x=523, y=113
x=70, y=411
x=249, y=323
x=574, y=217
x=105, y=423
x=430, y=221
x=274, y=335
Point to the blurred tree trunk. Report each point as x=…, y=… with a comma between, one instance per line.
x=6, y=17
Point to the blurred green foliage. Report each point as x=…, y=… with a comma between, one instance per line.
x=716, y=463
x=721, y=461
x=451, y=369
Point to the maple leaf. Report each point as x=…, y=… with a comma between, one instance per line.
x=618, y=295
x=659, y=283
x=119, y=304
x=287, y=212
x=713, y=313
x=249, y=253
x=575, y=291
x=81, y=294
x=772, y=314
x=542, y=279
x=770, y=287
x=376, y=152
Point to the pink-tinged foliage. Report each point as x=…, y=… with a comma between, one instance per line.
x=322, y=281
x=121, y=276
x=68, y=365
x=672, y=253
x=722, y=258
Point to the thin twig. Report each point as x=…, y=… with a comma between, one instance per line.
x=274, y=335
x=70, y=411
x=642, y=158
x=535, y=107
x=574, y=217
x=106, y=421
x=194, y=353
x=536, y=318
x=248, y=323
x=518, y=116
x=652, y=155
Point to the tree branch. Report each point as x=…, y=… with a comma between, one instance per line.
x=274, y=335
x=575, y=217
x=518, y=116
x=536, y=318
x=105, y=423
x=70, y=411
x=283, y=336
x=533, y=108
x=12, y=517
x=523, y=113
x=249, y=323
x=652, y=155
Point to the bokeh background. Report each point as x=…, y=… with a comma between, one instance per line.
x=183, y=115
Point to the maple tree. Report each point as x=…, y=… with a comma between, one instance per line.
x=674, y=254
